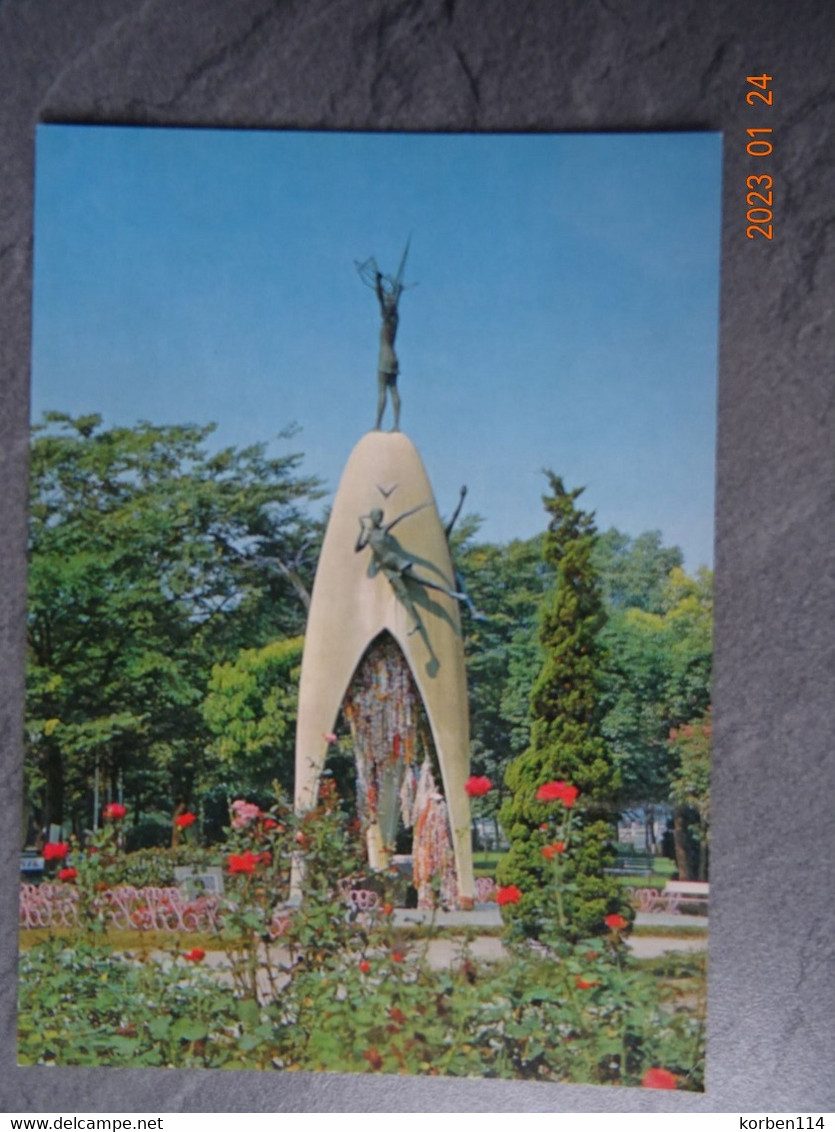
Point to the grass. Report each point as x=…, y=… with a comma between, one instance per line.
x=686, y=931
x=135, y=940
x=663, y=870
x=486, y=863
x=677, y=965
x=130, y=940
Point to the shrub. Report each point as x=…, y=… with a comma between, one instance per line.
x=348, y=991
x=150, y=833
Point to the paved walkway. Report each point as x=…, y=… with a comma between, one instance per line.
x=445, y=953
x=448, y=952
x=489, y=916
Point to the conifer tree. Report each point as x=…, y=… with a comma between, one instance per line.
x=565, y=747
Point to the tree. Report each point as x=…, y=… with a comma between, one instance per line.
x=150, y=559
x=690, y=791
x=506, y=583
x=565, y=742
x=636, y=667
x=634, y=572
x=250, y=710
x=656, y=676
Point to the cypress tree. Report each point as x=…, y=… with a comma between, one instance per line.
x=565, y=748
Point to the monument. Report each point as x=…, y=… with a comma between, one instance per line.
x=384, y=648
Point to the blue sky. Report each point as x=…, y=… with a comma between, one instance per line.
x=565, y=313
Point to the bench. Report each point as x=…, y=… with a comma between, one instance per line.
x=31, y=865
x=633, y=864
x=690, y=894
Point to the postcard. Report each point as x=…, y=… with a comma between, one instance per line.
x=228, y=344
x=333, y=763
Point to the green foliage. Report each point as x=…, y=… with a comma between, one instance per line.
x=150, y=559
x=147, y=866
x=149, y=833
x=634, y=572
x=250, y=710
x=656, y=675
x=690, y=792
x=691, y=784
x=319, y=987
x=565, y=743
x=506, y=584
x=82, y=1004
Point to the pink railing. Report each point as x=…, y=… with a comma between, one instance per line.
x=651, y=900
x=166, y=909
x=485, y=888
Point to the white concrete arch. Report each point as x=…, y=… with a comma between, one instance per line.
x=350, y=606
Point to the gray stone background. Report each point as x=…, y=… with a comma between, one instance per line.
x=543, y=65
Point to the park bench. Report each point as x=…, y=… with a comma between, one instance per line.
x=31, y=866
x=632, y=864
x=687, y=896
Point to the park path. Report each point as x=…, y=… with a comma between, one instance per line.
x=449, y=952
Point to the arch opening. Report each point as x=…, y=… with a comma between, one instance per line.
x=397, y=771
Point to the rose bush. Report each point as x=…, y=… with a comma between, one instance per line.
x=323, y=986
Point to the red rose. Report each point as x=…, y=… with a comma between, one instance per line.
x=659, y=1079
x=270, y=824
x=364, y=966
x=372, y=1056
x=242, y=862
x=195, y=955
x=183, y=821
x=67, y=874
x=616, y=923
x=397, y=1015
x=55, y=850
x=584, y=984
x=397, y=956
x=477, y=786
x=558, y=792
x=510, y=894
x=551, y=851
x=114, y=811
x=550, y=791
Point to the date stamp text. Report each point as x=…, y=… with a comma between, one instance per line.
x=760, y=185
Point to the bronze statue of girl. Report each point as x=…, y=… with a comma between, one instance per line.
x=388, y=290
